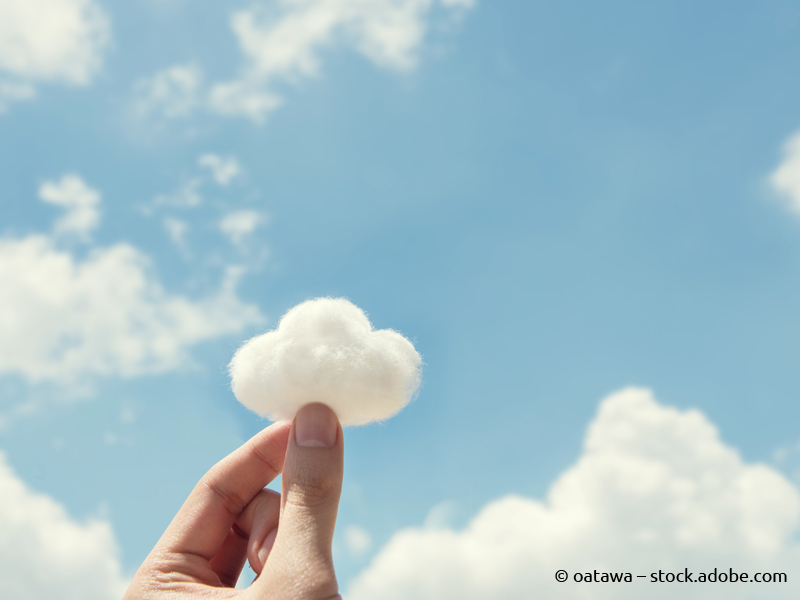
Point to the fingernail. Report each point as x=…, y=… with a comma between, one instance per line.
x=266, y=547
x=315, y=426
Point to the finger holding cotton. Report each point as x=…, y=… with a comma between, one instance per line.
x=325, y=350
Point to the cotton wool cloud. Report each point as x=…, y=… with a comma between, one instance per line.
x=326, y=350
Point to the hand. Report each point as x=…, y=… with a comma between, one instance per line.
x=230, y=517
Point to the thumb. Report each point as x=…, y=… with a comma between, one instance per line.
x=300, y=561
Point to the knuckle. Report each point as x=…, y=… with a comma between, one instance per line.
x=231, y=500
x=311, y=494
x=268, y=460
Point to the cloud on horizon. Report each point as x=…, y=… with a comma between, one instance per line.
x=45, y=553
x=655, y=488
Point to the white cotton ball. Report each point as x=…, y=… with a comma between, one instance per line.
x=325, y=350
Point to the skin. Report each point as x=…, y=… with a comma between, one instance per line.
x=229, y=517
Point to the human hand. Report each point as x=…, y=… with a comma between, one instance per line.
x=230, y=517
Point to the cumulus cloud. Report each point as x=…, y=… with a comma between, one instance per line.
x=655, y=488
x=325, y=350
x=223, y=168
x=50, y=41
x=81, y=202
x=45, y=553
x=284, y=43
x=65, y=317
x=785, y=179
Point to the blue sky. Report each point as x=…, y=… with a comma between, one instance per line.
x=553, y=200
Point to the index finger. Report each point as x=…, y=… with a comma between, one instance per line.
x=204, y=520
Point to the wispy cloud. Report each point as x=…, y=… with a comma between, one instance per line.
x=187, y=195
x=177, y=231
x=224, y=168
x=241, y=224
x=81, y=203
x=284, y=44
x=49, y=41
x=209, y=199
x=174, y=92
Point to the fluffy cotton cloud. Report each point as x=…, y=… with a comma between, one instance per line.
x=284, y=44
x=325, y=350
x=50, y=41
x=81, y=202
x=223, y=169
x=786, y=178
x=45, y=553
x=65, y=317
x=655, y=488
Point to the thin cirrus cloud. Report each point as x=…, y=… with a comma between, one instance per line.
x=45, y=553
x=655, y=488
x=70, y=316
x=285, y=45
x=785, y=179
x=49, y=41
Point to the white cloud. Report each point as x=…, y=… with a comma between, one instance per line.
x=388, y=32
x=174, y=92
x=357, y=539
x=65, y=318
x=223, y=169
x=242, y=98
x=45, y=553
x=785, y=179
x=186, y=196
x=81, y=202
x=284, y=44
x=50, y=41
x=240, y=224
x=655, y=488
